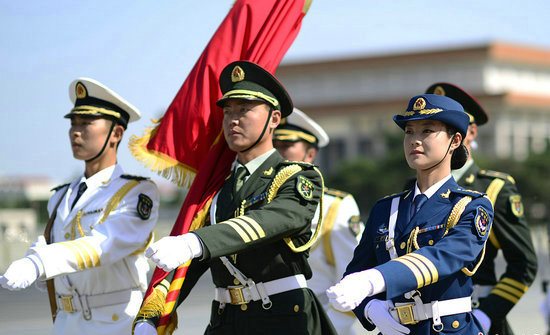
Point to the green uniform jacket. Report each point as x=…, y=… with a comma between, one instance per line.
x=254, y=242
x=509, y=233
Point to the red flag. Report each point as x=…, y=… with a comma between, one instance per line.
x=188, y=142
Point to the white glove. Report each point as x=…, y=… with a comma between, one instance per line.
x=483, y=319
x=144, y=328
x=21, y=273
x=40, y=242
x=350, y=291
x=172, y=251
x=378, y=313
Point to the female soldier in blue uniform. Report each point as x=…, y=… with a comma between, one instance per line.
x=411, y=273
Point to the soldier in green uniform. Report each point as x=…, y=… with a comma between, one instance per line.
x=494, y=297
x=258, y=236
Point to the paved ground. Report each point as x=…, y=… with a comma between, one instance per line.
x=27, y=312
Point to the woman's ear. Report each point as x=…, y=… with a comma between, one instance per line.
x=456, y=141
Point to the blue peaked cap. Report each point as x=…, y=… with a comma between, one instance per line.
x=435, y=107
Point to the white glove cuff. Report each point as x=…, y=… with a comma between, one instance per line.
x=376, y=280
x=194, y=243
x=37, y=264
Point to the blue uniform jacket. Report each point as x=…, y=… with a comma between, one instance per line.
x=435, y=269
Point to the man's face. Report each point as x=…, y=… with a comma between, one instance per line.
x=87, y=135
x=295, y=151
x=243, y=122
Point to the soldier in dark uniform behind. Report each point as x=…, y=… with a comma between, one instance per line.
x=257, y=240
x=493, y=298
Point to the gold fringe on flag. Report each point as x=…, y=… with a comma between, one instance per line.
x=153, y=306
x=166, y=166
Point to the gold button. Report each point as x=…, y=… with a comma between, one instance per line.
x=296, y=308
x=455, y=324
x=114, y=317
x=236, y=281
x=67, y=235
x=403, y=245
x=431, y=242
x=244, y=307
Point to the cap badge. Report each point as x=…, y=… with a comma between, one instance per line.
x=237, y=74
x=419, y=104
x=439, y=90
x=81, y=91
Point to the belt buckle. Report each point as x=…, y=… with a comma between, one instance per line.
x=236, y=295
x=67, y=303
x=405, y=314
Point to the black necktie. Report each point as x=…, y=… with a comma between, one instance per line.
x=419, y=200
x=81, y=189
x=240, y=174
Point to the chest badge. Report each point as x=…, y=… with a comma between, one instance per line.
x=305, y=187
x=144, y=206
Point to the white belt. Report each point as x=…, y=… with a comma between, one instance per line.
x=412, y=313
x=80, y=302
x=239, y=295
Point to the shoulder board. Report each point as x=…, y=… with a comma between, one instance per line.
x=395, y=195
x=129, y=176
x=471, y=193
x=304, y=165
x=496, y=174
x=336, y=193
x=57, y=188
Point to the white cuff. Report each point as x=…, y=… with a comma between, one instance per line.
x=377, y=281
x=37, y=263
x=194, y=244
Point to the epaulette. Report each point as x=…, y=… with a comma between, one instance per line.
x=471, y=193
x=336, y=193
x=57, y=188
x=391, y=196
x=304, y=165
x=132, y=177
x=496, y=174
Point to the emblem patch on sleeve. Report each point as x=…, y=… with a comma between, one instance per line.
x=304, y=187
x=517, y=205
x=481, y=221
x=144, y=206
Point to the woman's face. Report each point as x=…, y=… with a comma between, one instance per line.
x=426, y=143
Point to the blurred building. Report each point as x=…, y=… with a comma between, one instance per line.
x=354, y=98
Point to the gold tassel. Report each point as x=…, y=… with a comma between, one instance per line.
x=166, y=166
x=153, y=306
x=172, y=324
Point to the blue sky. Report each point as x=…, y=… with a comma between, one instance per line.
x=144, y=50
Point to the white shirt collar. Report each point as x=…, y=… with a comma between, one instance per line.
x=431, y=191
x=102, y=177
x=254, y=164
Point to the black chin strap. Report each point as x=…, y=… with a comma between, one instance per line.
x=263, y=131
x=104, y=144
x=448, y=148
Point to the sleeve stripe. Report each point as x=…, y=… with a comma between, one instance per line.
x=505, y=295
x=76, y=253
x=429, y=264
x=238, y=229
x=414, y=270
x=253, y=224
x=422, y=267
x=243, y=224
x=515, y=283
x=92, y=252
x=514, y=291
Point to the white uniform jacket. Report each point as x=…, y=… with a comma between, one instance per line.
x=96, y=255
x=329, y=257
